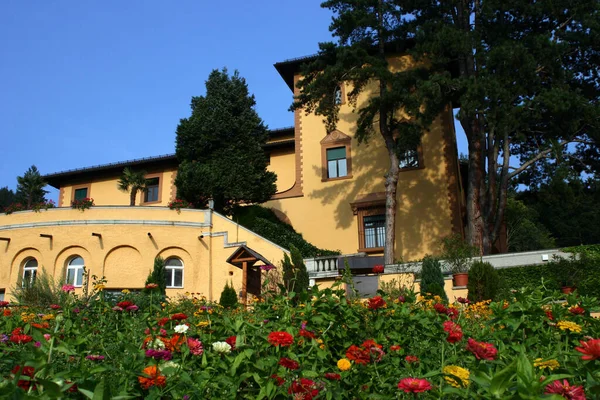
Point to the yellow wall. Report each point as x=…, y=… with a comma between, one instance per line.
x=125, y=253
x=282, y=163
x=105, y=191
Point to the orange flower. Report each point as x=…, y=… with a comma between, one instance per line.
x=280, y=338
x=154, y=378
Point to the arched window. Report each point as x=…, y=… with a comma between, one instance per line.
x=174, y=272
x=338, y=95
x=75, y=271
x=29, y=272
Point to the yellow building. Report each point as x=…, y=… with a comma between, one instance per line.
x=329, y=188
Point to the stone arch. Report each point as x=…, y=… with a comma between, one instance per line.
x=16, y=266
x=123, y=268
x=60, y=262
x=190, y=272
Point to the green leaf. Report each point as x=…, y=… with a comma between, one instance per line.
x=501, y=381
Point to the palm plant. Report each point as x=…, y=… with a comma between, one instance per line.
x=132, y=182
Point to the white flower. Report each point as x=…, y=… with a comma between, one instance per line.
x=181, y=328
x=221, y=347
x=169, y=368
x=157, y=345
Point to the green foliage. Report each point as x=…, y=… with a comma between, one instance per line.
x=30, y=188
x=432, y=278
x=302, y=280
x=42, y=292
x=132, y=182
x=483, y=283
x=524, y=231
x=7, y=197
x=229, y=298
x=288, y=273
x=264, y=222
x=457, y=253
x=219, y=147
x=157, y=275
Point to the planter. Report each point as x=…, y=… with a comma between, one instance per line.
x=461, y=279
x=567, y=289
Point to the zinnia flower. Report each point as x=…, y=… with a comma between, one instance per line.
x=221, y=347
x=151, y=286
x=179, y=317
x=231, y=340
x=482, y=350
x=68, y=288
x=280, y=339
x=19, y=337
x=414, y=385
x=159, y=354
x=378, y=269
x=195, y=346
x=332, y=376
x=124, y=304
x=358, y=355
x=550, y=364
x=308, y=334
x=376, y=303
x=153, y=378
x=411, y=359
x=454, y=330
x=440, y=308
x=568, y=325
x=590, y=349
x=565, y=390
x=267, y=267
x=181, y=328
x=163, y=321
x=344, y=364
x=395, y=347
x=94, y=357
x=278, y=380
x=27, y=371
x=462, y=300
x=4, y=303
x=306, y=387
x=459, y=376
x=288, y=363
x=577, y=310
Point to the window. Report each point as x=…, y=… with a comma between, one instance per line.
x=29, y=272
x=2, y=291
x=374, y=228
x=152, y=189
x=174, y=273
x=336, y=162
x=80, y=194
x=411, y=158
x=338, y=96
x=75, y=270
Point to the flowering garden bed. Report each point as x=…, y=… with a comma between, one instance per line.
x=321, y=346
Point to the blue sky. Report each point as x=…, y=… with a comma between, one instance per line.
x=86, y=83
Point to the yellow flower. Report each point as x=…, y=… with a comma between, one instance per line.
x=568, y=325
x=27, y=317
x=48, y=317
x=344, y=364
x=550, y=364
x=456, y=372
x=125, y=291
x=99, y=287
x=202, y=324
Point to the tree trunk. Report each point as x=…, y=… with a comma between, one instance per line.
x=391, y=187
x=132, y=197
x=475, y=228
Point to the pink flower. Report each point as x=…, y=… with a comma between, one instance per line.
x=565, y=390
x=414, y=385
x=195, y=346
x=482, y=350
x=94, y=357
x=47, y=336
x=68, y=288
x=591, y=349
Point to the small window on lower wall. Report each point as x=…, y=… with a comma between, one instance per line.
x=370, y=213
x=174, y=272
x=2, y=291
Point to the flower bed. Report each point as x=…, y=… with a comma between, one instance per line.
x=320, y=346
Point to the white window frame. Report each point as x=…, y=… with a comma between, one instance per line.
x=31, y=270
x=75, y=268
x=170, y=269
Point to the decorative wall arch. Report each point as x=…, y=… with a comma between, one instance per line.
x=60, y=262
x=190, y=272
x=121, y=267
x=16, y=265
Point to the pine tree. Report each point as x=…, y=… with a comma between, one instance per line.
x=432, y=278
x=157, y=275
x=300, y=272
x=229, y=297
x=30, y=188
x=220, y=147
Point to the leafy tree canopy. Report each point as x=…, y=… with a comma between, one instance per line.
x=7, y=196
x=30, y=188
x=219, y=147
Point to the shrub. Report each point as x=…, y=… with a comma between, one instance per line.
x=157, y=276
x=457, y=253
x=228, y=297
x=432, y=279
x=484, y=282
x=43, y=292
x=300, y=272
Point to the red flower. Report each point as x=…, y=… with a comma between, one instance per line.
x=280, y=339
x=154, y=378
x=565, y=390
x=454, y=332
x=462, y=300
x=307, y=388
x=411, y=359
x=4, y=303
x=591, y=349
x=440, y=308
x=288, y=363
x=279, y=380
x=482, y=350
x=27, y=371
x=549, y=315
x=307, y=334
x=6, y=312
x=231, y=340
x=332, y=376
x=577, y=310
x=358, y=355
x=369, y=343
x=452, y=312
x=179, y=317
x=163, y=321
x=124, y=304
x=378, y=269
x=43, y=325
x=376, y=302
x=395, y=347
x=19, y=338
x=414, y=385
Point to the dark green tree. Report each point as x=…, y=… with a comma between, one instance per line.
x=524, y=76
x=432, y=278
x=300, y=272
x=524, y=231
x=484, y=282
x=289, y=280
x=7, y=197
x=219, y=147
x=30, y=188
x=132, y=182
x=367, y=31
x=229, y=297
x=157, y=275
